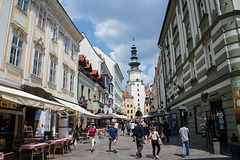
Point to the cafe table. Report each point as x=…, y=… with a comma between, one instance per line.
x=33, y=147
x=30, y=140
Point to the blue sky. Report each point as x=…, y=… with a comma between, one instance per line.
x=111, y=25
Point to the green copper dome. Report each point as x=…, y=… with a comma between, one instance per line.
x=134, y=63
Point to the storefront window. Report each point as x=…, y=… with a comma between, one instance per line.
x=174, y=121
x=198, y=119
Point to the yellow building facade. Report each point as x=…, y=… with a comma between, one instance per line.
x=129, y=108
x=39, y=45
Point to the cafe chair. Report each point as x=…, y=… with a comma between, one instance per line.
x=29, y=131
x=2, y=144
x=61, y=146
x=39, y=151
x=73, y=143
x=50, y=149
x=68, y=147
x=9, y=156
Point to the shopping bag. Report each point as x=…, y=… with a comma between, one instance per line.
x=160, y=141
x=163, y=135
x=150, y=141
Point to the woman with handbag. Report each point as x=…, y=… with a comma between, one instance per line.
x=154, y=136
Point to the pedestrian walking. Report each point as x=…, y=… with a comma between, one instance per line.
x=116, y=125
x=92, y=134
x=165, y=130
x=128, y=128
x=154, y=138
x=123, y=127
x=183, y=137
x=113, y=137
x=139, y=134
x=146, y=131
x=132, y=126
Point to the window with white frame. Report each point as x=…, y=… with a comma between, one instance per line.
x=52, y=73
x=55, y=32
x=180, y=80
x=23, y=4
x=37, y=63
x=66, y=45
x=73, y=50
x=174, y=23
x=16, y=51
x=193, y=70
x=42, y=17
x=188, y=30
x=210, y=55
x=65, y=77
x=71, y=82
x=89, y=93
x=202, y=8
x=178, y=52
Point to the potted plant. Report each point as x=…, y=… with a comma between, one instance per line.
x=216, y=146
x=234, y=147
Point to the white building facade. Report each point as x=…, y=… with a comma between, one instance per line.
x=117, y=79
x=98, y=63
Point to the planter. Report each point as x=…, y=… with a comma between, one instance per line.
x=216, y=146
x=235, y=150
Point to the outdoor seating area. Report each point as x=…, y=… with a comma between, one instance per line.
x=32, y=148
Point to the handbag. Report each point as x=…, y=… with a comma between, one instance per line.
x=150, y=141
x=160, y=141
x=163, y=135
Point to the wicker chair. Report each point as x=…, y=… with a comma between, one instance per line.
x=61, y=146
x=68, y=147
x=72, y=143
x=50, y=149
x=9, y=156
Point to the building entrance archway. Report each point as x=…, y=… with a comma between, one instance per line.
x=138, y=114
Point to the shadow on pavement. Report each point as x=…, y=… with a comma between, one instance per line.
x=174, y=140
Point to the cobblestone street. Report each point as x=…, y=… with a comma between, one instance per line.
x=127, y=148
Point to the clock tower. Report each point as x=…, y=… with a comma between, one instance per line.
x=135, y=84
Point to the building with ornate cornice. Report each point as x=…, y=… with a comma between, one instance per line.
x=39, y=45
x=135, y=84
x=98, y=63
x=201, y=64
x=117, y=79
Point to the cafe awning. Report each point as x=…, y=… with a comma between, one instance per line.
x=77, y=108
x=24, y=98
x=156, y=115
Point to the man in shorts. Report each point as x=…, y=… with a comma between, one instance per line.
x=113, y=137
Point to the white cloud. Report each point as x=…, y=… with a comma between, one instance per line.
x=116, y=22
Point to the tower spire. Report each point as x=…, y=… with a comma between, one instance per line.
x=134, y=63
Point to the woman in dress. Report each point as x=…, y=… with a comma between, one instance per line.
x=154, y=138
x=92, y=134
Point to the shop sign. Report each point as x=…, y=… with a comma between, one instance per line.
x=235, y=83
x=6, y=104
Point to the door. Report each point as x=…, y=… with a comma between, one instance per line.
x=218, y=125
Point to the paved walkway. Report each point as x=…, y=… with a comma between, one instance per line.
x=127, y=148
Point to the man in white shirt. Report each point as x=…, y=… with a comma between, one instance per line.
x=116, y=125
x=133, y=126
x=183, y=136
